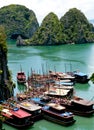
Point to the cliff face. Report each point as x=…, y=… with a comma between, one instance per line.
x=6, y=85
x=72, y=28
x=18, y=20
x=76, y=27
x=49, y=33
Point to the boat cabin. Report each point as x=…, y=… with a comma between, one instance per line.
x=56, y=107
x=32, y=108
x=81, y=77
x=82, y=104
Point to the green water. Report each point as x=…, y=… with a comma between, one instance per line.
x=57, y=58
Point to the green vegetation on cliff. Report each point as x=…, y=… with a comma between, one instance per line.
x=92, y=77
x=73, y=27
x=76, y=27
x=6, y=84
x=49, y=33
x=3, y=39
x=18, y=20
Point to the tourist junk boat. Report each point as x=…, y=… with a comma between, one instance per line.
x=21, y=77
x=32, y=108
x=59, y=91
x=22, y=96
x=65, y=82
x=62, y=76
x=17, y=118
x=79, y=106
x=42, y=101
x=58, y=114
x=80, y=77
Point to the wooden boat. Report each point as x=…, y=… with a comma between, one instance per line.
x=69, y=90
x=32, y=108
x=65, y=82
x=42, y=101
x=21, y=77
x=58, y=114
x=62, y=76
x=79, y=106
x=17, y=118
x=58, y=92
x=81, y=77
x=22, y=96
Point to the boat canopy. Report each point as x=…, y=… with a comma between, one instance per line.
x=80, y=74
x=20, y=113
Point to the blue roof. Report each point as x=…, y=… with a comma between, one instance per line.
x=46, y=107
x=65, y=83
x=80, y=73
x=38, y=100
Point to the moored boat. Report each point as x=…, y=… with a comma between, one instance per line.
x=79, y=106
x=62, y=76
x=58, y=92
x=32, y=108
x=58, y=114
x=17, y=118
x=21, y=77
x=22, y=96
x=42, y=101
x=80, y=77
x=65, y=82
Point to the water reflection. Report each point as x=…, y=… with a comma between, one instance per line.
x=21, y=88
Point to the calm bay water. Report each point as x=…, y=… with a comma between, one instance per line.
x=57, y=58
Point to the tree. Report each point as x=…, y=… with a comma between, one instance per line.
x=3, y=37
x=92, y=78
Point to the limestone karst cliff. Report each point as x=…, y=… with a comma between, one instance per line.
x=6, y=84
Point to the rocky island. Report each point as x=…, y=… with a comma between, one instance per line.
x=21, y=23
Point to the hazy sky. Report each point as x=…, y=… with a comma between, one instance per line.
x=42, y=7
